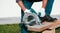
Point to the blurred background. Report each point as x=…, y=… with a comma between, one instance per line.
x=9, y=8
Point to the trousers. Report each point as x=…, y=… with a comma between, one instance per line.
x=28, y=5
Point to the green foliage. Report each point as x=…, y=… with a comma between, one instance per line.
x=10, y=28
x=58, y=30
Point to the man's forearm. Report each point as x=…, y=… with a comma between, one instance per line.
x=44, y=3
x=21, y=5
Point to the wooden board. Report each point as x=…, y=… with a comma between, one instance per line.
x=56, y=24
x=49, y=31
x=46, y=25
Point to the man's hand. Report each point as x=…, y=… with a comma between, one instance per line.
x=26, y=10
x=42, y=11
x=30, y=11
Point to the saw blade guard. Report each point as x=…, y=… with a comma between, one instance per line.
x=30, y=19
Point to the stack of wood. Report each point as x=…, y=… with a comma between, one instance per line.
x=47, y=27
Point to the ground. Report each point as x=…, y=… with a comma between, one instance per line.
x=15, y=28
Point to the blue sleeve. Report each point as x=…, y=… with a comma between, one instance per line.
x=18, y=1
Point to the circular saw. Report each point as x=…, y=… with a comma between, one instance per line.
x=30, y=19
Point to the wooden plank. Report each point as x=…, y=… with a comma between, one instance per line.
x=47, y=25
x=49, y=31
x=56, y=24
x=38, y=28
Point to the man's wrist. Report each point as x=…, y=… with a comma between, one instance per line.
x=25, y=10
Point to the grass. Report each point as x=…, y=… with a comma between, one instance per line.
x=10, y=28
x=58, y=30
x=15, y=28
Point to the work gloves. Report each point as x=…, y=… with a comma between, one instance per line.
x=30, y=11
x=40, y=13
